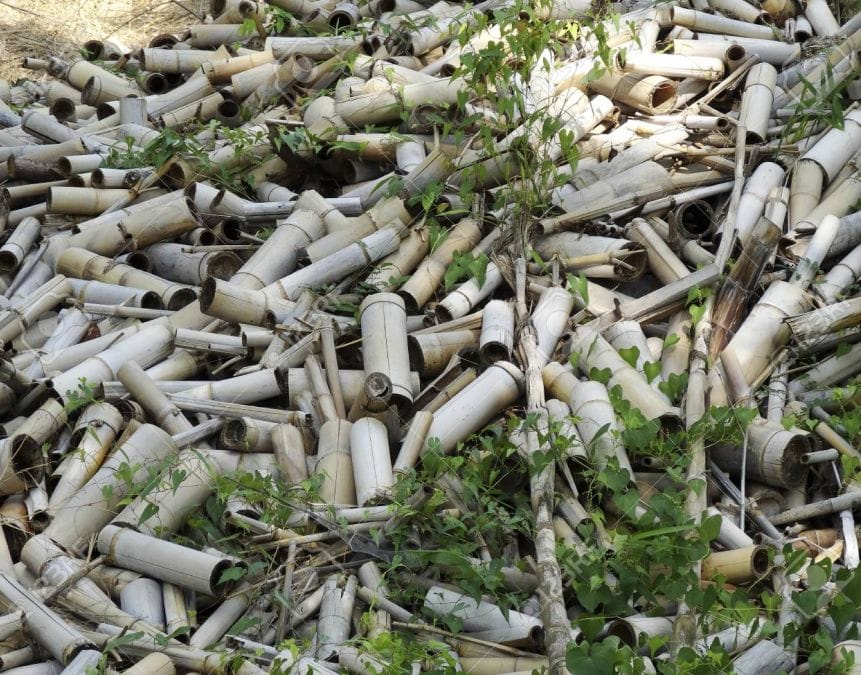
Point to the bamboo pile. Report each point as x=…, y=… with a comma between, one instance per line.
x=246, y=256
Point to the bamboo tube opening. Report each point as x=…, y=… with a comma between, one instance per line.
x=663, y=96
x=229, y=230
x=229, y=113
x=759, y=561
x=623, y=630
x=26, y=459
x=163, y=41
x=154, y=83
x=138, y=260
x=63, y=109
x=735, y=53
x=694, y=219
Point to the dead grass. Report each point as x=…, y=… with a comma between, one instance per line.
x=59, y=27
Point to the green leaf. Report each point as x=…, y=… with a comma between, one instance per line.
x=603, y=376
x=817, y=576
x=710, y=527
x=652, y=370
x=670, y=340
x=630, y=355
x=234, y=573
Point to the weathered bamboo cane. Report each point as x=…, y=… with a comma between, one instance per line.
x=83, y=264
x=596, y=352
x=741, y=565
x=86, y=511
x=596, y=422
x=185, y=567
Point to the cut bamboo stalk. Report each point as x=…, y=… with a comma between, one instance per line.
x=383, y=315
x=481, y=617
x=596, y=422
x=83, y=264
x=95, y=432
x=596, y=352
x=333, y=625
x=757, y=100
x=738, y=566
x=86, y=511
x=496, y=341
x=372, y=465
x=334, y=462
x=53, y=634
x=19, y=244
x=188, y=568
x=428, y=275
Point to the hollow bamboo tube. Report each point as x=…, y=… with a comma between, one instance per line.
x=94, y=433
x=828, y=372
x=481, y=616
x=384, y=343
x=336, y=608
x=468, y=295
x=744, y=11
x=819, y=14
x=147, y=346
x=731, y=536
x=675, y=357
x=57, y=637
x=19, y=244
x=841, y=276
x=673, y=65
x=164, y=560
x=474, y=406
x=142, y=598
x=664, y=263
x=101, y=293
x=428, y=275
x=391, y=270
x=279, y=255
x=643, y=182
x=83, y=264
x=27, y=311
x=651, y=94
x=756, y=101
x=173, y=262
x=88, y=510
x=289, y=448
x=805, y=190
x=591, y=407
x=629, y=335
x=431, y=353
x=496, y=341
x=567, y=245
x=173, y=61
x=413, y=442
x=738, y=566
x=335, y=464
x=700, y=21
x=815, y=251
x=596, y=352
x=773, y=455
x=629, y=629
x=751, y=205
x=335, y=267
x=372, y=464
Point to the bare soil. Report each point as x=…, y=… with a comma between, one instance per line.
x=59, y=27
